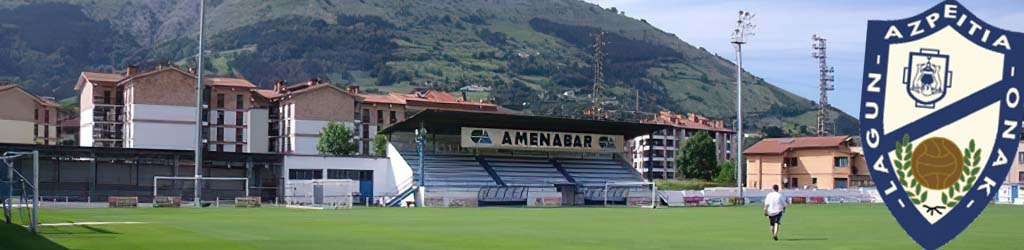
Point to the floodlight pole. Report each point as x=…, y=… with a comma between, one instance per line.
x=421, y=137
x=35, y=192
x=739, y=37
x=199, y=111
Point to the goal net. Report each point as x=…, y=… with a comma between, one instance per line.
x=336, y=194
x=213, y=189
x=20, y=189
x=630, y=194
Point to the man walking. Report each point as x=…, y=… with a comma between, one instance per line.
x=774, y=206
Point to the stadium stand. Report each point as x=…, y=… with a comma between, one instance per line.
x=466, y=171
x=450, y=170
x=598, y=171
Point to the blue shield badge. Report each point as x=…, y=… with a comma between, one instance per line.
x=940, y=117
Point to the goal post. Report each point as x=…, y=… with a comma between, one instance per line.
x=337, y=194
x=21, y=192
x=157, y=179
x=632, y=194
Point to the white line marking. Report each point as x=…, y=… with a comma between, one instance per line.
x=89, y=223
x=1013, y=70
x=971, y=203
x=901, y=203
x=304, y=207
x=878, y=59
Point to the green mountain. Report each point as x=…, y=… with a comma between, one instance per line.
x=534, y=55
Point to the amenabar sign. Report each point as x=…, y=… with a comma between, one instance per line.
x=539, y=140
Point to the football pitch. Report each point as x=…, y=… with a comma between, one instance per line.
x=804, y=227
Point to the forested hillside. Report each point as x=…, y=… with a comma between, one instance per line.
x=534, y=55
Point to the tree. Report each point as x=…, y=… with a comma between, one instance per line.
x=727, y=173
x=336, y=139
x=380, y=145
x=697, y=158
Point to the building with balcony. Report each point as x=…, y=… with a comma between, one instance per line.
x=831, y=162
x=655, y=153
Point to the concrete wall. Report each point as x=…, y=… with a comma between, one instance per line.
x=164, y=136
x=306, y=134
x=383, y=176
x=256, y=134
x=161, y=127
x=14, y=131
x=85, y=124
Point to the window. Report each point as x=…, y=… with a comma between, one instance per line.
x=345, y=174
x=37, y=115
x=46, y=116
x=238, y=102
x=220, y=117
x=841, y=183
x=1020, y=176
x=238, y=134
x=790, y=162
x=814, y=181
x=238, y=147
x=220, y=100
x=305, y=174
x=106, y=97
x=795, y=183
x=394, y=117
x=380, y=116
x=669, y=142
x=239, y=118
x=841, y=162
x=366, y=116
x=1020, y=157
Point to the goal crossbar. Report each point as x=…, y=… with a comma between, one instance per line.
x=156, y=180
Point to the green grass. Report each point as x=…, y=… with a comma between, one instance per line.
x=804, y=227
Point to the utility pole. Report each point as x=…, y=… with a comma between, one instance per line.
x=825, y=79
x=597, y=110
x=739, y=37
x=199, y=110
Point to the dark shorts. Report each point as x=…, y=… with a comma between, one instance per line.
x=775, y=219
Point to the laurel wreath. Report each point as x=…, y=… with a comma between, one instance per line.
x=953, y=194
x=971, y=170
x=901, y=163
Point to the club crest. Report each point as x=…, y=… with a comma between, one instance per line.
x=940, y=144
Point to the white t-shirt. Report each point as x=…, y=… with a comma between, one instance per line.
x=775, y=202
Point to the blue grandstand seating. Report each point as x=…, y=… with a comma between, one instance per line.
x=598, y=172
x=466, y=171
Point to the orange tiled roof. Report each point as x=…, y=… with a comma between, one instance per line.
x=384, y=99
x=266, y=93
x=38, y=99
x=781, y=145
x=229, y=82
x=97, y=77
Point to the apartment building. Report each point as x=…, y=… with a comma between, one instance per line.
x=156, y=109
x=297, y=114
x=831, y=162
x=101, y=109
x=26, y=118
x=656, y=153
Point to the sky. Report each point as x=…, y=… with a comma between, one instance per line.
x=780, y=51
